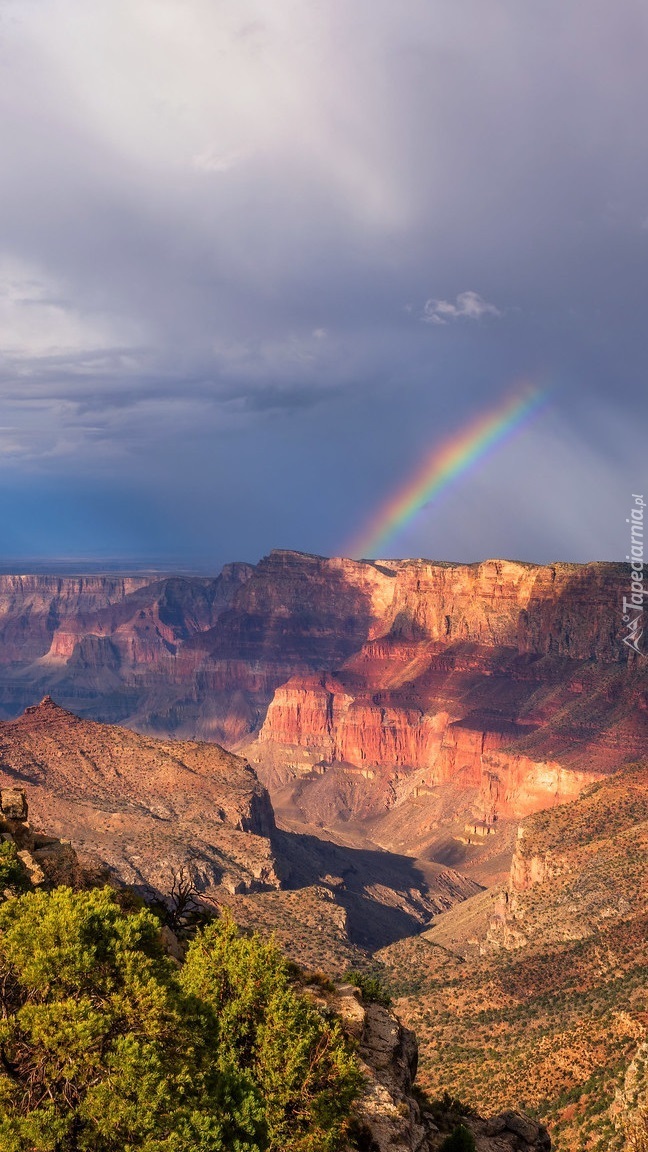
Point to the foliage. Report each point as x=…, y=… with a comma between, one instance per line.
x=446, y=1110
x=12, y=873
x=360, y=1137
x=106, y=1046
x=372, y=988
x=460, y=1140
x=300, y=1063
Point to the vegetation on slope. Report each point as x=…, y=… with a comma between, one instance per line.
x=542, y=1032
x=550, y=1022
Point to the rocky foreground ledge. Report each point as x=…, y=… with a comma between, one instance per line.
x=392, y=1116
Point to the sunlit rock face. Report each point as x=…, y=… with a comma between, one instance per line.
x=506, y=681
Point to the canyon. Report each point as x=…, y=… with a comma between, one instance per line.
x=417, y=706
x=390, y=1114
x=435, y=768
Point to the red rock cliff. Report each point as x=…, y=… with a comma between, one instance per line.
x=506, y=679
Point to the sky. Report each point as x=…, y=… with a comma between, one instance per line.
x=258, y=260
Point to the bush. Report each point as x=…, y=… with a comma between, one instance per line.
x=12, y=873
x=372, y=988
x=105, y=1046
x=447, y=1109
x=460, y=1140
x=300, y=1063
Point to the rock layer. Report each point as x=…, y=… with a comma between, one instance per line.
x=504, y=682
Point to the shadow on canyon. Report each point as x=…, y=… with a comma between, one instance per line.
x=385, y=896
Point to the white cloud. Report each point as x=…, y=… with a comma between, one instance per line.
x=467, y=306
x=217, y=160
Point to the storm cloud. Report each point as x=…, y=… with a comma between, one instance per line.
x=257, y=259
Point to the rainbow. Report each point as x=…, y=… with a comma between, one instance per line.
x=447, y=463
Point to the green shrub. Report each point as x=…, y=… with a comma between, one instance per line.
x=372, y=988
x=460, y=1140
x=301, y=1064
x=447, y=1108
x=106, y=1047
x=12, y=873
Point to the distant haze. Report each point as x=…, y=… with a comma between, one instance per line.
x=257, y=260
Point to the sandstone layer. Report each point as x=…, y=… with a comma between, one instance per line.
x=485, y=693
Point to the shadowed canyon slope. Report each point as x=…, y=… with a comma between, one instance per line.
x=407, y=694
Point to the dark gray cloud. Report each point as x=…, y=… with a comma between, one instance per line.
x=256, y=260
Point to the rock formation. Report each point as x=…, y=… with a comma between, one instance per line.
x=44, y=858
x=580, y=867
x=140, y=807
x=502, y=685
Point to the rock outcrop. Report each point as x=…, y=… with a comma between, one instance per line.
x=391, y=1116
x=580, y=867
x=45, y=859
x=630, y=1108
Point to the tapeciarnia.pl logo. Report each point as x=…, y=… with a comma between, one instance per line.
x=633, y=605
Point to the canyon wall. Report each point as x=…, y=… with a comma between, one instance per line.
x=505, y=681
x=33, y=607
x=560, y=609
x=580, y=868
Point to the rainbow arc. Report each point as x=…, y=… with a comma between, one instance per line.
x=445, y=465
